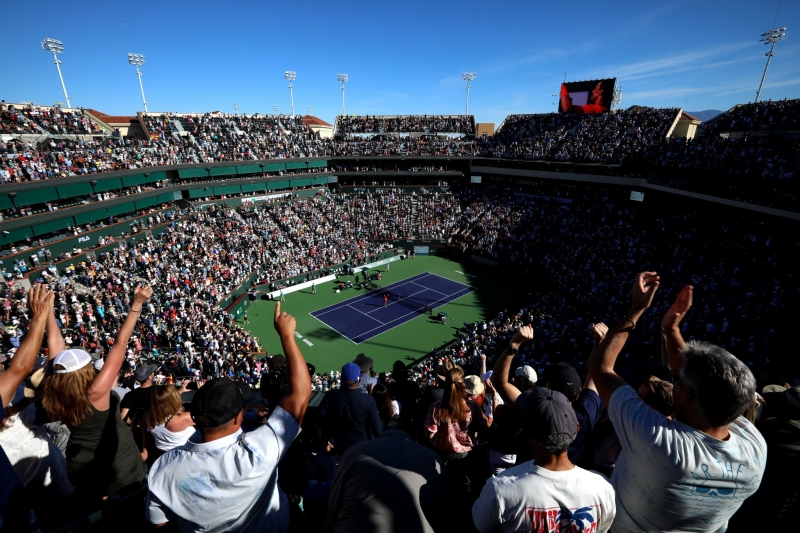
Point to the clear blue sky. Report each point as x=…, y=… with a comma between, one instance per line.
x=402, y=57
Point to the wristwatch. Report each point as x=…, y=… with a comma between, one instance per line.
x=512, y=350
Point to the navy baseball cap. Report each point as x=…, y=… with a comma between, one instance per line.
x=218, y=401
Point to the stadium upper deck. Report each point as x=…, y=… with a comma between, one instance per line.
x=747, y=142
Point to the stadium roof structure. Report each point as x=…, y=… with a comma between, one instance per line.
x=113, y=119
x=687, y=116
x=311, y=120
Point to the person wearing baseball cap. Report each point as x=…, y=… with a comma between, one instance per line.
x=536, y=494
x=229, y=479
x=137, y=402
x=559, y=377
x=102, y=456
x=349, y=417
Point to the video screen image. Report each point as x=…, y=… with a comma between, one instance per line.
x=587, y=97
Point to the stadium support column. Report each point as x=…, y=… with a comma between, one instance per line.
x=57, y=47
x=342, y=78
x=468, y=77
x=770, y=37
x=291, y=76
x=138, y=60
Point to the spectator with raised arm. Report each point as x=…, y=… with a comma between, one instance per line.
x=102, y=457
x=560, y=377
x=15, y=509
x=223, y=479
x=549, y=493
x=691, y=473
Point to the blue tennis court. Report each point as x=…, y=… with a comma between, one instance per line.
x=363, y=317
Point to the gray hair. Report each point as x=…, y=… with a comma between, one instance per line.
x=722, y=384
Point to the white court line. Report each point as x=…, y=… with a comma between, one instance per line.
x=366, y=314
x=434, y=290
x=412, y=313
x=337, y=331
x=452, y=280
x=355, y=299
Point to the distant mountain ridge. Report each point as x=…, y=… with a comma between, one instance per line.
x=708, y=114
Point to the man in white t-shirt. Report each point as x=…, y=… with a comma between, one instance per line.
x=691, y=473
x=223, y=479
x=549, y=493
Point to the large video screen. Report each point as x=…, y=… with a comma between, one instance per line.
x=587, y=97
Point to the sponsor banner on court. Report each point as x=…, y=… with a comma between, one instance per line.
x=252, y=199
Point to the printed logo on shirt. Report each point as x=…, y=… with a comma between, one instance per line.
x=555, y=520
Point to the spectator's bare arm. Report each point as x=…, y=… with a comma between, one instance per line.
x=107, y=378
x=297, y=401
x=507, y=391
x=597, y=332
x=40, y=303
x=601, y=362
x=670, y=325
x=55, y=341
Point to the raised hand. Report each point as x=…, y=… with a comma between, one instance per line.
x=285, y=323
x=678, y=310
x=597, y=332
x=522, y=335
x=40, y=301
x=142, y=293
x=644, y=289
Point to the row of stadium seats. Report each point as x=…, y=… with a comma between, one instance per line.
x=406, y=124
x=37, y=120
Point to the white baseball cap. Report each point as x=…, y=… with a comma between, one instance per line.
x=528, y=372
x=98, y=365
x=71, y=360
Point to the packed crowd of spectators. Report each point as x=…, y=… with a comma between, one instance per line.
x=599, y=138
x=405, y=124
x=220, y=137
x=634, y=138
x=575, y=248
x=762, y=117
x=32, y=119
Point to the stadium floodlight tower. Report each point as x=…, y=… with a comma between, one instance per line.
x=138, y=60
x=291, y=76
x=770, y=37
x=57, y=47
x=342, y=78
x=468, y=77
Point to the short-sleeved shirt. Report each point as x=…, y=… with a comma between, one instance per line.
x=137, y=400
x=673, y=477
x=588, y=410
x=528, y=498
x=228, y=484
x=15, y=512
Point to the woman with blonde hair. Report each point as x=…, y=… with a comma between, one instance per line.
x=169, y=424
x=102, y=456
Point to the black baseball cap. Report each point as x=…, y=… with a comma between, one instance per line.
x=218, y=401
x=545, y=415
x=563, y=378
